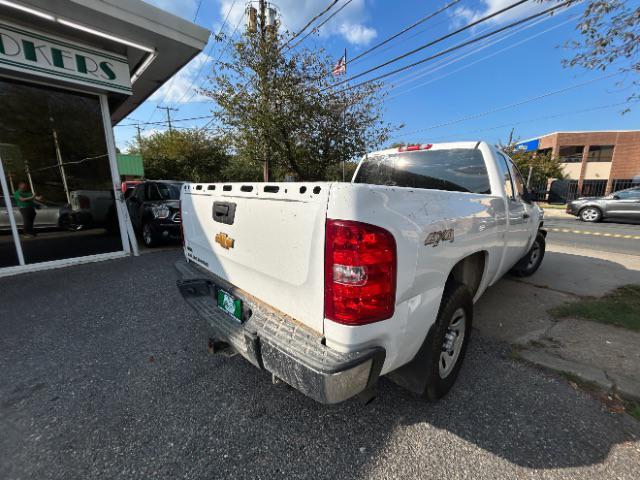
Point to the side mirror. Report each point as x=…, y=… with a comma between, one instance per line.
x=615, y=197
x=528, y=196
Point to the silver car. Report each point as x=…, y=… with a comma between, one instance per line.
x=624, y=204
x=48, y=215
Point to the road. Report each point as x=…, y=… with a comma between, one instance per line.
x=105, y=375
x=605, y=236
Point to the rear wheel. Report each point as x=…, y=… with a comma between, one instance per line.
x=530, y=263
x=590, y=214
x=449, y=340
x=149, y=237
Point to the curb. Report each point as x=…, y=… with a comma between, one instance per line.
x=625, y=387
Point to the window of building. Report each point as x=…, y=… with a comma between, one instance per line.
x=54, y=155
x=544, y=151
x=600, y=153
x=571, y=153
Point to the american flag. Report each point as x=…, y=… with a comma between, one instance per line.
x=340, y=68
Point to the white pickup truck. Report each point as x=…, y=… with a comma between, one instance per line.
x=329, y=286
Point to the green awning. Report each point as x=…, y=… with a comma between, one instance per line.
x=131, y=165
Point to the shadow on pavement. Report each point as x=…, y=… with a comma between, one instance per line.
x=584, y=275
x=105, y=374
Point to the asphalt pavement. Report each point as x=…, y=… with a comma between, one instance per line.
x=607, y=236
x=105, y=374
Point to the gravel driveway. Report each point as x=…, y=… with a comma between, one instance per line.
x=105, y=375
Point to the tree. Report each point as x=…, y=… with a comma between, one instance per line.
x=191, y=155
x=542, y=164
x=282, y=107
x=610, y=34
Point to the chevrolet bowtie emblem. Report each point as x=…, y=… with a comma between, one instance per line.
x=225, y=240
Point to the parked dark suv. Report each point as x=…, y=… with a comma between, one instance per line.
x=623, y=204
x=154, y=208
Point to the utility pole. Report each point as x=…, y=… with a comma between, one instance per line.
x=168, y=110
x=139, y=138
x=63, y=174
x=262, y=22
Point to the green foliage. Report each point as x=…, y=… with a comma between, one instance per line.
x=281, y=107
x=619, y=307
x=545, y=166
x=191, y=155
x=609, y=37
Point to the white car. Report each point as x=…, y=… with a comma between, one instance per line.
x=328, y=286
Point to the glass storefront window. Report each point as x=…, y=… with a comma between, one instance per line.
x=56, y=166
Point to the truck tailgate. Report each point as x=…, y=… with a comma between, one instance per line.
x=270, y=241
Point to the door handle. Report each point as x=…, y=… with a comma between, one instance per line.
x=224, y=212
x=525, y=215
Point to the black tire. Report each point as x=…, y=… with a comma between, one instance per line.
x=456, y=299
x=149, y=237
x=590, y=214
x=530, y=263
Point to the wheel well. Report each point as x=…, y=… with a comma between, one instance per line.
x=469, y=271
x=595, y=207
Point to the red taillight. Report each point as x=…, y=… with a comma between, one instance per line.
x=84, y=202
x=360, y=273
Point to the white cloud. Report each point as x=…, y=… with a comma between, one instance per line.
x=357, y=34
x=181, y=87
x=350, y=23
x=465, y=15
x=147, y=132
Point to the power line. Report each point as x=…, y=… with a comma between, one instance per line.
x=532, y=120
x=163, y=122
x=321, y=24
x=222, y=52
x=168, y=110
x=296, y=35
x=195, y=16
x=453, y=48
x=514, y=104
x=432, y=42
x=405, y=30
x=509, y=47
x=208, y=54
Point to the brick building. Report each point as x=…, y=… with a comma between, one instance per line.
x=596, y=163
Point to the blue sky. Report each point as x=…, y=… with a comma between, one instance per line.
x=515, y=79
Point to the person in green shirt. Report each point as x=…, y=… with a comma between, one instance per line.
x=25, y=201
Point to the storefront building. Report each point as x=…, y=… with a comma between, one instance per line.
x=595, y=163
x=70, y=70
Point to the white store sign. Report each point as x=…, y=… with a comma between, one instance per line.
x=48, y=56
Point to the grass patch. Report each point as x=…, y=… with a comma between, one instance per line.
x=620, y=307
x=634, y=411
x=551, y=206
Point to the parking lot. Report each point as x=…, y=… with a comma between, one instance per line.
x=107, y=375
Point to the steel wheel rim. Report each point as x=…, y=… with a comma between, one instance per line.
x=590, y=214
x=453, y=341
x=534, y=255
x=146, y=234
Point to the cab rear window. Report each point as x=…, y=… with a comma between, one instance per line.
x=456, y=170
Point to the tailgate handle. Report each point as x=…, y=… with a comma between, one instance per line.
x=224, y=212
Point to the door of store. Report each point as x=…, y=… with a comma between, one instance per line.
x=57, y=200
